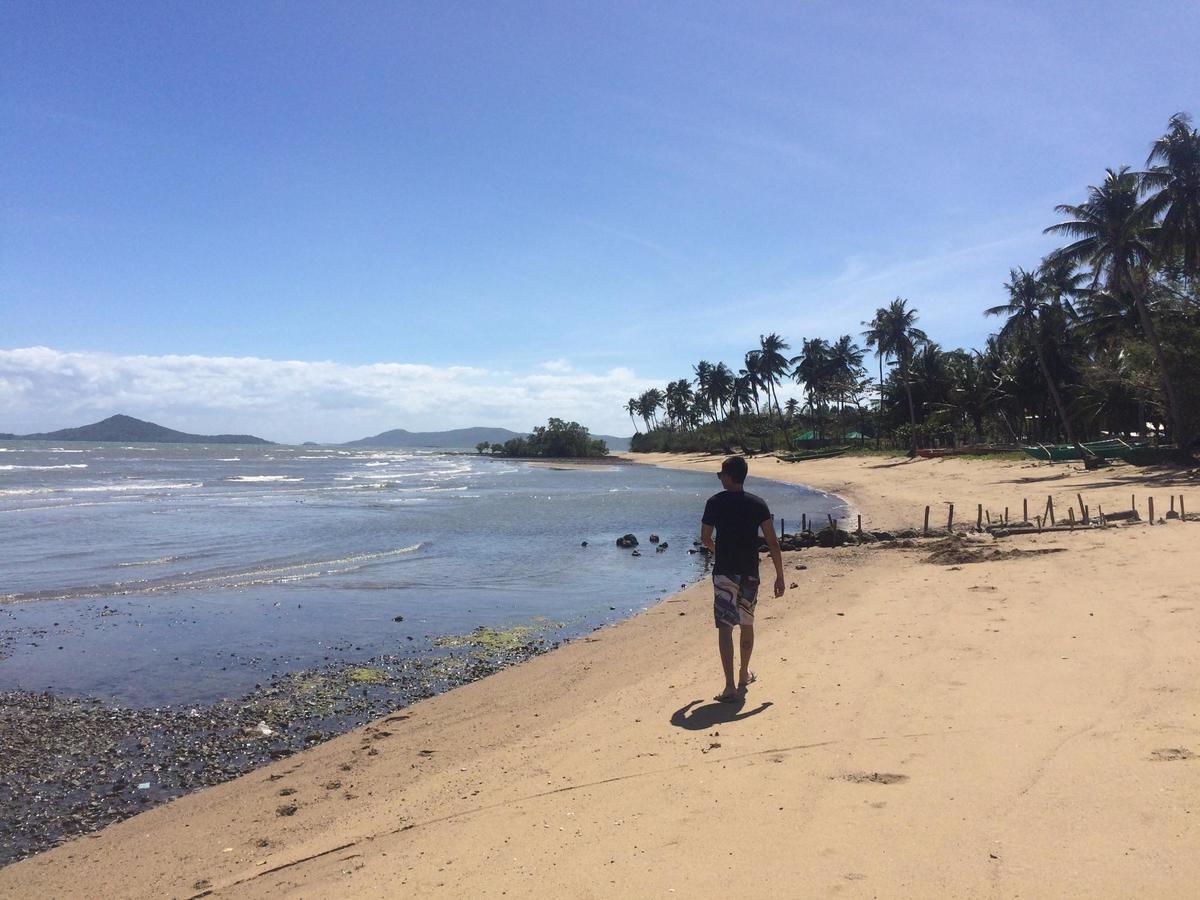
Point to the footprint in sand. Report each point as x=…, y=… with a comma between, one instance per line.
x=287, y=792
x=875, y=778
x=288, y=810
x=1168, y=754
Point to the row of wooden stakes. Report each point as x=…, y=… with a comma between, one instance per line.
x=1047, y=521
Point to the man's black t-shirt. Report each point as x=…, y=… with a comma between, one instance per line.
x=736, y=515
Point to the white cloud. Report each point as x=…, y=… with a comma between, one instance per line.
x=42, y=389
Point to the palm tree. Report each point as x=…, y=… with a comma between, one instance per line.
x=1174, y=182
x=679, y=399
x=648, y=405
x=812, y=371
x=715, y=384
x=773, y=366
x=874, y=338
x=633, y=409
x=753, y=371
x=1117, y=238
x=974, y=387
x=1027, y=302
x=894, y=333
x=845, y=370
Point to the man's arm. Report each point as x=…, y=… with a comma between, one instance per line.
x=768, y=531
x=706, y=537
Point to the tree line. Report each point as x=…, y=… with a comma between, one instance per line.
x=1100, y=337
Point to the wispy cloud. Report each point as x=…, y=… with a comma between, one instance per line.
x=44, y=389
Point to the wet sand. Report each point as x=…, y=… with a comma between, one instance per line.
x=1018, y=724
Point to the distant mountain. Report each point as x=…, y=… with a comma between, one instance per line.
x=459, y=438
x=128, y=430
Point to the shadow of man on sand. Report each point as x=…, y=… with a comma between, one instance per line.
x=701, y=717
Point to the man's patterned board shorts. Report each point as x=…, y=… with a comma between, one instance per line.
x=734, y=598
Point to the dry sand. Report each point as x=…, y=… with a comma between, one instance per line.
x=1027, y=726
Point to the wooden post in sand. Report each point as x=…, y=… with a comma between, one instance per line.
x=1151, y=502
x=989, y=516
x=1025, y=508
x=860, y=523
x=804, y=521
x=782, y=527
x=926, y=529
x=979, y=518
x=950, y=520
x=1080, y=498
x=1050, y=506
x=1100, y=512
x=1133, y=501
x=1182, y=514
x=1071, y=516
x=1006, y=515
x=1039, y=523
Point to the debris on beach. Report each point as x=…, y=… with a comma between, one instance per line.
x=71, y=766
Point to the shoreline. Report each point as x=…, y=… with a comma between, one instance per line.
x=884, y=717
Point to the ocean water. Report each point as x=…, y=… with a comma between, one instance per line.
x=156, y=574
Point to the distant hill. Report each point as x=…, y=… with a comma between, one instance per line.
x=459, y=438
x=126, y=429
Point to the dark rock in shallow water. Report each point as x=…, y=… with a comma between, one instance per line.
x=653, y=538
x=636, y=553
x=661, y=547
x=584, y=544
x=626, y=541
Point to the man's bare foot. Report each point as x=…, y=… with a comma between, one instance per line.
x=745, y=683
x=730, y=695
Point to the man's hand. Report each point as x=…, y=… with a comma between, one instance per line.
x=768, y=532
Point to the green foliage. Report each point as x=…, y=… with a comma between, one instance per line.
x=1102, y=337
x=556, y=439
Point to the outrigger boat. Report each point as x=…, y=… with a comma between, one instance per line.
x=1113, y=448
x=1157, y=456
x=965, y=450
x=804, y=455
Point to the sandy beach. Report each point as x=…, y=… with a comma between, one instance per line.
x=1022, y=724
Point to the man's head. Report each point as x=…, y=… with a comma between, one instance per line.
x=733, y=472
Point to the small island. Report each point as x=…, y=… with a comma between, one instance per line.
x=554, y=440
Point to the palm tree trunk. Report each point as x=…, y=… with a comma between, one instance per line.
x=1177, y=425
x=879, y=408
x=912, y=410
x=1084, y=452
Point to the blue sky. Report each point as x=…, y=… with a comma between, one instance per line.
x=319, y=221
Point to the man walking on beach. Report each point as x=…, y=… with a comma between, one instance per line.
x=738, y=517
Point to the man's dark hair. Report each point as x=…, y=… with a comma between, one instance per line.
x=735, y=467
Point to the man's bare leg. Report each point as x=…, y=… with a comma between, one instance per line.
x=725, y=645
x=747, y=648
